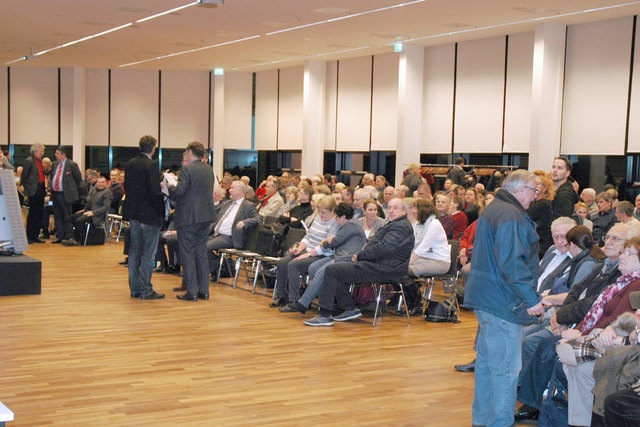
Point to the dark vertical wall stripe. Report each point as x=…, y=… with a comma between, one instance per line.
x=371, y=104
x=9, y=109
x=335, y=136
x=564, y=77
x=455, y=83
x=504, y=92
x=209, y=116
x=109, y=108
x=59, y=108
x=159, y=104
x=278, y=112
x=633, y=52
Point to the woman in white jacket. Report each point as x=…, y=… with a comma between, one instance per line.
x=431, y=252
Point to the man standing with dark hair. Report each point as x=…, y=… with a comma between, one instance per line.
x=33, y=181
x=502, y=290
x=64, y=190
x=194, y=213
x=566, y=196
x=144, y=209
x=456, y=173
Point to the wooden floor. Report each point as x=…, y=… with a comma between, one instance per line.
x=84, y=353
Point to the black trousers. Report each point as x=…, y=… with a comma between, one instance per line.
x=62, y=215
x=192, y=241
x=622, y=409
x=36, y=212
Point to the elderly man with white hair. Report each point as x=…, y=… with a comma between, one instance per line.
x=588, y=196
x=359, y=196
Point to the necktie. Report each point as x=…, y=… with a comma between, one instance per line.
x=219, y=224
x=57, y=182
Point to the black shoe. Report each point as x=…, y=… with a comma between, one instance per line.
x=153, y=295
x=36, y=240
x=187, y=297
x=278, y=302
x=527, y=413
x=136, y=295
x=469, y=367
x=158, y=269
x=203, y=296
x=415, y=311
x=57, y=241
x=70, y=242
x=125, y=262
x=271, y=272
x=180, y=289
x=294, y=307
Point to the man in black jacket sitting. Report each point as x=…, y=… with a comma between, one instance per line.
x=384, y=257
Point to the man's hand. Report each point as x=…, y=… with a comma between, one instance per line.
x=240, y=225
x=354, y=258
x=88, y=213
x=570, y=334
x=536, y=310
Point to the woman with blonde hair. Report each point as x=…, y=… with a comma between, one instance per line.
x=541, y=211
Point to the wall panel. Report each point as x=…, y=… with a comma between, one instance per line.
x=34, y=105
x=479, y=96
x=66, y=106
x=596, y=87
x=134, y=106
x=266, y=110
x=354, y=105
x=384, y=114
x=331, y=93
x=237, y=110
x=290, y=108
x=517, y=116
x=184, y=108
x=633, y=145
x=97, y=107
x=437, y=109
x=4, y=120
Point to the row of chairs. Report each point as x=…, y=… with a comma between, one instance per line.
x=249, y=257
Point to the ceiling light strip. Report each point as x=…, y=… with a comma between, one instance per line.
x=103, y=32
x=166, y=12
x=340, y=18
x=189, y=51
x=303, y=57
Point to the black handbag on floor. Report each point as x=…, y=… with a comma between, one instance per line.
x=441, y=311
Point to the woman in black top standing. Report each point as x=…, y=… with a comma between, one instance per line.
x=541, y=211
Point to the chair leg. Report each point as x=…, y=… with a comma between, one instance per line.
x=378, y=298
x=222, y=258
x=431, y=283
x=275, y=285
x=258, y=268
x=406, y=308
x=86, y=234
x=235, y=278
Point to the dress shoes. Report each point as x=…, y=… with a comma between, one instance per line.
x=527, y=413
x=203, y=296
x=180, y=289
x=187, y=297
x=37, y=240
x=153, y=295
x=57, y=241
x=70, y=242
x=294, y=307
x=136, y=295
x=469, y=367
x=278, y=302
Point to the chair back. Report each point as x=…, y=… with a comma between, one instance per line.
x=455, y=248
x=294, y=235
x=252, y=240
x=270, y=219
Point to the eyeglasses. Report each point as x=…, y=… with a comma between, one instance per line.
x=535, y=190
x=629, y=252
x=612, y=237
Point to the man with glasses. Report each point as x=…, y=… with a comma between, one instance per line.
x=537, y=371
x=502, y=290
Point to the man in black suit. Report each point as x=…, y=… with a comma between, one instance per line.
x=64, y=190
x=33, y=180
x=144, y=209
x=193, y=198
x=236, y=218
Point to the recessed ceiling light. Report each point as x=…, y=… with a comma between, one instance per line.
x=331, y=10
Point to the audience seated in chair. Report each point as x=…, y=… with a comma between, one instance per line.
x=95, y=209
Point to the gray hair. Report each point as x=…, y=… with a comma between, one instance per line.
x=563, y=220
x=36, y=147
x=363, y=193
x=373, y=193
x=590, y=191
x=516, y=179
x=242, y=185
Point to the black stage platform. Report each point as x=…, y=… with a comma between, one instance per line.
x=20, y=275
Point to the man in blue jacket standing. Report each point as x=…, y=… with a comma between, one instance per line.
x=502, y=290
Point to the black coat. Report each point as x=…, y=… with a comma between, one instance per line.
x=143, y=196
x=389, y=250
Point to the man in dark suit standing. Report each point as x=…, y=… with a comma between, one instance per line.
x=144, y=209
x=236, y=218
x=193, y=198
x=64, y=190
x=33, y=181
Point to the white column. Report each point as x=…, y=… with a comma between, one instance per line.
x=313, y=117
x=546, y=96
x=78, y=137
x=218, y=126
x=410, y=82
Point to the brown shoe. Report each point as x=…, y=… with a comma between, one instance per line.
x=180, y=289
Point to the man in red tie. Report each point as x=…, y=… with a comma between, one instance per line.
x=64, y=191
x=33, y=181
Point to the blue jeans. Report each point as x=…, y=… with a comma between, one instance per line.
x=498, y=363
x=532, y=336
x=142, y=255
x=316, y=272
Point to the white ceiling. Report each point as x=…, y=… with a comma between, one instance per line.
x=43, y=24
